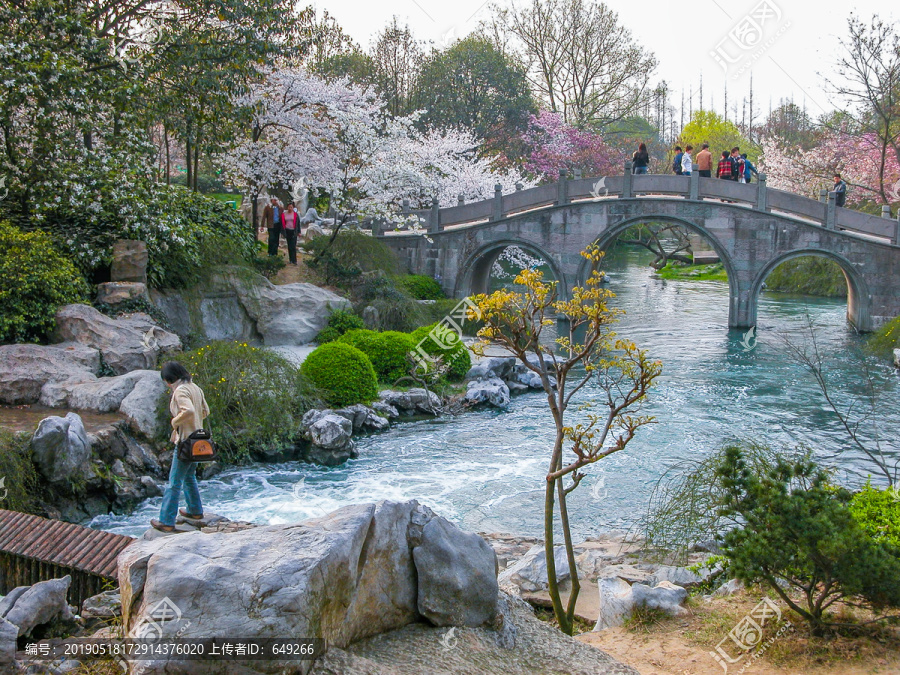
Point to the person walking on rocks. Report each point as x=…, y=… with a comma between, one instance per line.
x=188, y=408
x=272, y=219
x=290, y=223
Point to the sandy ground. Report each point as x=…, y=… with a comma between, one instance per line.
x=682, y=646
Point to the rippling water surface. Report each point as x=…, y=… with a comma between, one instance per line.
x=484, y=469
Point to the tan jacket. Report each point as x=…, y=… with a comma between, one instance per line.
x=189, y=409
x=704, y=160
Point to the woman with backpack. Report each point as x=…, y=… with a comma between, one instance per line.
x=188, y=409
x=640, y=160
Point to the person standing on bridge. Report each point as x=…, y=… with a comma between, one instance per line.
x=704, y=162
x=640, y=160
x=723, y=170
x=840, y=188
x=188, y=408
x=687, y=162
x=676, y=162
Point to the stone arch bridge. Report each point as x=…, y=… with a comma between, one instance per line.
x=752, y=228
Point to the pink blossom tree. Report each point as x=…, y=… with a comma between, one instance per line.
x=552, y=144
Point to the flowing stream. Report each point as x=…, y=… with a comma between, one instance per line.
x=484, y=469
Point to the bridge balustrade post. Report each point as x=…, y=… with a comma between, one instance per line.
x=577, y=174
x=376, y=227
x=823, y=196
x=562, y=195
x=434, y=218
x=886, y=211
x=762, y=197
x=498, y=202
x=896, y=241
x=519, y=186
x=404, y=207
x=694, y=192
x=626, y=181
x=460, y=200
x=831, y=212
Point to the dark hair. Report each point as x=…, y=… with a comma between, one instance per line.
x=744, y=156
x=735, y=149
x=837, y=175
x=172, y=371
x=291, y=204
x=642, y=147
x=689, y=147
x=725, y=154
x=678, y=148
x=705, y=146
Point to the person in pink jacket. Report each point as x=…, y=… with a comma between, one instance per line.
x=290, y=223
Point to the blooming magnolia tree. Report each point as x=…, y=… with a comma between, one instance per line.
x=858, y=158
x=554, y=145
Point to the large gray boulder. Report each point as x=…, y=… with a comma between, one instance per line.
x=616, y=602
x=680, y=576
x=9, y=633
x=457, y=574
x=25, y=369
x=665, y=596
x=344, y=577
x=363, y=418
x=290, y=314
x=522, y=645
x=897, y=357
x=493, y=392
x=107, y=393
x=140, y=406
x=129, y=261
x=416, y=400
x=492, y=366
x=61, y=448
x=127, y=343
x=36, y=605
x=529, y=573
x=332, y=436
x=56, y=394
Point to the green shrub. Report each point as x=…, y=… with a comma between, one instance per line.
x=256, y=397
x=35, y=280
x=421, y=287
x=793, y=526
x=886, y=339
x=342, y=373
x=387, y=351
x=396, y=310
x=878, y=513
x=19, y=478
x=351, y=254
x=268, y=265
x=339, y=323
x=206, y=183
x=809, y=275
x=449, y=347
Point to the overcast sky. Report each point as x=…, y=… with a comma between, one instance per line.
x=785, y=44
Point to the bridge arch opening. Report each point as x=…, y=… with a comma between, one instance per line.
x=496, y=265
x=611, y=236
x=816, y=272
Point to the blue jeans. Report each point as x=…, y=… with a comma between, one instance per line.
x=640, y=170
x=182, y=475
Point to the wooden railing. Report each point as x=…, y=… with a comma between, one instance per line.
x=824, y=213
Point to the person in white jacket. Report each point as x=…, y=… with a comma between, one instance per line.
x=687, y=162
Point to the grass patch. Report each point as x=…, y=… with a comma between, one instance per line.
x=227, y=197
x=886, y=339
x=645, y=619
x=680, y=272
x=809, y=275
x=18, y=473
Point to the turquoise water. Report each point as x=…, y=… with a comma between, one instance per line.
x=485, y=469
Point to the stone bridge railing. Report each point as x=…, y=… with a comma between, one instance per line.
x=758, y=196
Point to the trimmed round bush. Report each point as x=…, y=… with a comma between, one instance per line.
x=449, y=346
x=421, y=287
x=342, y=373
x=35, y=280
x=387, y=351
x=339, y=323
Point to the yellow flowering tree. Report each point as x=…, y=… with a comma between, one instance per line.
x=588, y=353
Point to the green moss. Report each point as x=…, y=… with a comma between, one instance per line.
x=421, y=287
x=342, y=373
x=886, y=339
x=680, y=272
x=17, y=473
